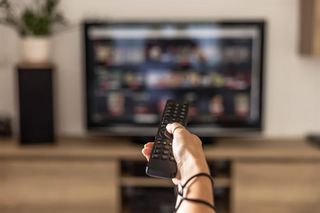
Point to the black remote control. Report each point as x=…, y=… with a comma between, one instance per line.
x=162, y=163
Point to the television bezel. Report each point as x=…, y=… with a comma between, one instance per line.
x=205, y=131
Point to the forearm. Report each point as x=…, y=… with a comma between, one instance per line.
x=199, y=187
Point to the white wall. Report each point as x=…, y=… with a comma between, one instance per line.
x=292, y=82
x=8, y=50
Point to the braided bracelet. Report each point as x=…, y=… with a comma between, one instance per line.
x=180, y=193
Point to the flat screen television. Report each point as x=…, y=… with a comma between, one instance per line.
x=132, y=68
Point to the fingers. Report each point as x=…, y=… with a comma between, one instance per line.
x=149, y=145
x=146, y=151
x=175, y=128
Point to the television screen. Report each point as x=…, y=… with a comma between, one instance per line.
x=132, y=68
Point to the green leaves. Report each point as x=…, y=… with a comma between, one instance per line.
x=35, y=24
x=50, y=6
x=37, y=20
x=6, y=14
x=59, y=18
x=4, y=3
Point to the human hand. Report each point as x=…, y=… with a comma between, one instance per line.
x=187, y=151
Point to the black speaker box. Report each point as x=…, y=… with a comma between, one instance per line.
x=314, y=139
x=35, y=86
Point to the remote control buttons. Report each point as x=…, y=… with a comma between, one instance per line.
x=158, y=146
x=167, y=147
x=163, y=133
x=165, y=157
x=168, y=135
x=155, y=156
x=166, y=152
x=157, y=151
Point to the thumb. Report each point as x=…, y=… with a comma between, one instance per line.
x=175, y=128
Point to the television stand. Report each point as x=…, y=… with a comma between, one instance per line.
x=314, y=140
x=141, y=139
x=111, y=174
x=145, y=139
x=209, y=140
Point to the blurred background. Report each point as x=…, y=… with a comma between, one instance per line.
x=258, y=174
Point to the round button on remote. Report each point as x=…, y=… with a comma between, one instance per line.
x=164, y=157
x=166, y=152
x=155, y=156
x=168, y=135
x=167, y=147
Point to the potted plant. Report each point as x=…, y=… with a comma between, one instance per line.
x=35, y=23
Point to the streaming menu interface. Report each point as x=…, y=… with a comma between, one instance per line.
x=135, y=69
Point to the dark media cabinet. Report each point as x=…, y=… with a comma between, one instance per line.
x=107, y=175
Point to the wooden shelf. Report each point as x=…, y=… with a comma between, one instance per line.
x=253, y=175
x=222, y=182
x=145, y=182
x=108, y=148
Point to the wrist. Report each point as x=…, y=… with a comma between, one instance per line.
x=197, y=189
x=191, y=166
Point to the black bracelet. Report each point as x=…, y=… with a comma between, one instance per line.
x=180, y=193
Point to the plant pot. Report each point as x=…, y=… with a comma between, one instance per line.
x=35, y=50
